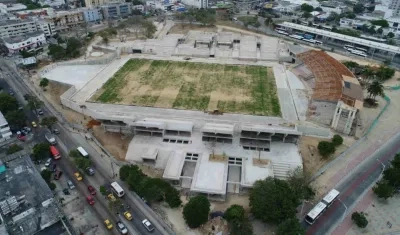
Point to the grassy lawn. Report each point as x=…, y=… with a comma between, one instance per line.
x=195, y=86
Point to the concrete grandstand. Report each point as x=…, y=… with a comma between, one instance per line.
x=224, y=153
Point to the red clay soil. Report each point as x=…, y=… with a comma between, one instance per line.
x=93, y=123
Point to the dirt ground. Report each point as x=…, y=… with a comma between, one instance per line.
x=312, y=161
x=115, y=143
x=185, y=28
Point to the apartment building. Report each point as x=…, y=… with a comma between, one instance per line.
x=66, y=19
x=28, y=41
x=46, y=26
x=92, y=14
x=11, y=28
x=117, y=10
x=97, y=3
x=5, y=132
x=196, y=3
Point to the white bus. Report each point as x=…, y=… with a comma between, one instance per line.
x=117, y=189
x=281, y=32
x=315, y=213
x=348, y=47
x=361, y=49
x=296, y=36
x=82, y=152
x=330, y=197
x=359, y=53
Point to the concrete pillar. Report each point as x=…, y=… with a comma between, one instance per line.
x=336, y=116
x=349, y=122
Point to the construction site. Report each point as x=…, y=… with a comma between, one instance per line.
x=214, y=111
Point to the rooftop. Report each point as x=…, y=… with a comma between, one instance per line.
x=11, y=22
x=328, y=74
x=26, y=201
x=174, y=165
x=22, y=38
x=355, y=40
x=210, y=177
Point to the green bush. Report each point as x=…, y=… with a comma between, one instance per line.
x=326, y=148
x=337, y=140
x=14, y=148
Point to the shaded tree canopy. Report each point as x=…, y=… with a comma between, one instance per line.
x=196, y=211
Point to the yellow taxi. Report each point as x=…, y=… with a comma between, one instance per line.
x=111, y=197
x=128, y=215
x=108, y=224
x=34, y=124
x=78, y=176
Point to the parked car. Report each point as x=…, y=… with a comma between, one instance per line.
x=48, y=162
x=146, y=223
x=90, y=200
x=122, y=228
x=70, y=184
x=111, y=197
x=58, y=174
x=53, y=167
x=91, y=189
x=56, y=131
x=26, y=129
x=39, y=111
x=78, y=176
x=90, y=171
x=34, y=124
x=128, y=215
x=108, y=224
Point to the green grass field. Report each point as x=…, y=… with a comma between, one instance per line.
x=195, y=86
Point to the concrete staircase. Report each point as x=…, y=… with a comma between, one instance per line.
x=281, y=169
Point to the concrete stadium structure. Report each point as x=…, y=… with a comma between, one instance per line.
x=198, y=151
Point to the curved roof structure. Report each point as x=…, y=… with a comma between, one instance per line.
x=332, y=80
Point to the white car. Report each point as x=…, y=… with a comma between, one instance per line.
x=122, y=228
x=148, y=225
x=48, y=162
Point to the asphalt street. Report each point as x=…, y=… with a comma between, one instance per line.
x=67, y=143
x=354, y=186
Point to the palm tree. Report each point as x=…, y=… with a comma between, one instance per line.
x=374, y=89
x=368, y=74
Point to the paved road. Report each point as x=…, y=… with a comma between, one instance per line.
x=354, y=186
x=68, y=141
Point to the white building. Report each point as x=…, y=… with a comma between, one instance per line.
x=196, y=3
x=9, y=8
x=5, y=132
x=46, y=26
x=28, y=41
x=11, y=28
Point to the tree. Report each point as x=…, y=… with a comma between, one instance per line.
x=257, y=24
x=390, y=35
x=82, y=163
x=106, y=40
x=149, y=28
x=359, y=219
x=391, y=176
x=41, y=151
x=241, y=227
x=268, y=21
x=358, y=8
x=56, y=52
x=383, y=23
x=306, y=15
x=7, y=103
x=326, y=148
x=124, y=172
x=306, y=8
x=103, y=190
x=44, y=82
x=333, y=16
x=196, y=211
x=273, y=200
x=375, y=89
x=384, y=73
x=48, y=121
x=52, y=186
x=337, y=140
x=318, y=9
x=46, y=175
x=172, y=197
x=34, y=103
x=383, y=190
x=74, y=153
x=16, y=118
x=299, y=183
x=371, y=29
x=379, y=31
x=27, y=54
x=73, y=47
x=14, y=148
x=351, y=65
x=234, y=213
x=290, y=226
